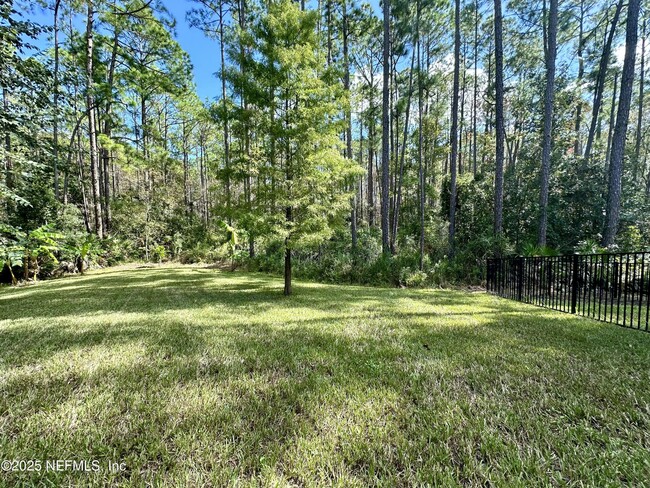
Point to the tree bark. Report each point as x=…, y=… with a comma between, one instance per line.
x=393, y=151
x=454, y=132
x=461, y=122
x=92, y=128
x=186, y=168
x=107, y=132
x=385, y=141
x=398, y=199
x=612, y=122
x=618, y=139
x=360, y=210
x=600, y=81
x=348, y=117
x=549, y=95
x=82, y=186
x=287, y=260
x=371, y=161
x=500, y=129
x=248, y=180
x=420, y=140
x=203, y=180
x=486, y=122
x=9, y=166
x=57, y=4
x=577, y=150
x=639, y=119
x=288, y=217
x=475, y=101
x=226, y=136
x=328, y=14
x=581, y=70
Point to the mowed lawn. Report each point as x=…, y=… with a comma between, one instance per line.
x=192, y=376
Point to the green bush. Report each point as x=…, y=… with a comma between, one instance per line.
x=159, y=253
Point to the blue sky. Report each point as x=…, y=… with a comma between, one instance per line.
x=204, y=52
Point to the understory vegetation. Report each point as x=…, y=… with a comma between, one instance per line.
x=192, y=376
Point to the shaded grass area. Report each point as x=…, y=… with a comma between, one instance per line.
x=199, y=377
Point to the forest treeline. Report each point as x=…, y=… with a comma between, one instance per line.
x=404, y=142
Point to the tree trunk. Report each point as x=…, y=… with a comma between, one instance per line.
x=107, y=190
x=394, y=145
x=500, y=129
x=248, y=181
x=454, y=132
x=76, y=137
x=82, y=185
x=398, y=199
x=486, y=123
x=107, y=132
x=66, y=183
x=420, y=140
x=581, y=71
x=551, y=38
x=639, y=119
x=57, y=4
x=186, y=168
x=385, y=141
x=203, y=180
x=612, y=122
x=371, y=161
x=328, y=14
x=360, y=210
x=348, y=117
x=9, y=165
x=226, y=136
x=143, y=127
x=288, y=222
x=289, y=193
x=461, y=123
x=618, y=139
x=92, y=128
x=287, y=261
x=475, y=101
x=600, y=81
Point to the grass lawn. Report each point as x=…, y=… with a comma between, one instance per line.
x=198, y=377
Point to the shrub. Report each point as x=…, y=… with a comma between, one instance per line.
x=410, y=278
x=159, y=253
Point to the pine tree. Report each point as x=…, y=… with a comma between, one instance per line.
x=620, y=130
x=291, y=80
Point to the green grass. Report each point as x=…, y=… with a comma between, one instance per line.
x=198, y=377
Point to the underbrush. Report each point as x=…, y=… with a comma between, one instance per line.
x=336, y=262
x=64, y=247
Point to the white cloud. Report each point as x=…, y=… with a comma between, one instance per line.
x=619, y=52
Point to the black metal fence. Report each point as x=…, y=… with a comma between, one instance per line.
x=613, y=288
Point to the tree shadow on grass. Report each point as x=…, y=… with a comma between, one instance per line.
x=377, y=405
x=163, y=289
x=115, y=302
x=371, y=390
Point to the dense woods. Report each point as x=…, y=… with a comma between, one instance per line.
x=399, y=143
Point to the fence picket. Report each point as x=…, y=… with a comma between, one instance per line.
x=588, y=285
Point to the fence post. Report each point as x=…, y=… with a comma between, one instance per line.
x=574, y=284
x=488, y=274
x=520, y=277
